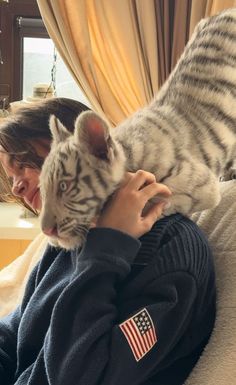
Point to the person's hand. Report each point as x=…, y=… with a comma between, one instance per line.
x=125, y=210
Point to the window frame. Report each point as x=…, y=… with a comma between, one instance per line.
x=26, y=31
x=11, y=42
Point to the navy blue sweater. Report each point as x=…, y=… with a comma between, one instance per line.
x=120, y=311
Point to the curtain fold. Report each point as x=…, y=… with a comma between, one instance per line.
x=182, y=12
x=205, y=8
x=198, y=11
x=172, y=19
x=120, y=52
x=215, y=6
x=110, y=48
x=164, y=21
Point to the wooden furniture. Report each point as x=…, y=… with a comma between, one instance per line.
x=16, y=232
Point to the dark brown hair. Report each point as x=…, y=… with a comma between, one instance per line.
x=29, y=125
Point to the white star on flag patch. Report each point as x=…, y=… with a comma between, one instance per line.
x=140, y=333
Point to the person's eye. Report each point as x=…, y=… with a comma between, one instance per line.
x=10, y=179
x=19, y=165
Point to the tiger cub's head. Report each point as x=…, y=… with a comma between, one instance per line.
x=79, y=174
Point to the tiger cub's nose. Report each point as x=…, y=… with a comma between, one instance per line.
x=51, y=231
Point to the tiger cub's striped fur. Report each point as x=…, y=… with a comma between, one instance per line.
x=185, y=136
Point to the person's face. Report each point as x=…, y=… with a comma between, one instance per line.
x=25, y=181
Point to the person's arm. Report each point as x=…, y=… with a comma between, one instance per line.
x=8, y=342
x=9, y=326
x=87, y=345
x=8, y=337
x=87, y=342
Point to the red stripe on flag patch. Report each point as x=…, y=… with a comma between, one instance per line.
x=140, y=333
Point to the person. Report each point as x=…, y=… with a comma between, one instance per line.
x=135, y=305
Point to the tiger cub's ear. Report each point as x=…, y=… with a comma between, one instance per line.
x=93, y=135
x=58, y=131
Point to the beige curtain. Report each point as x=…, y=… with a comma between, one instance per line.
x=215, y=6
x=205, y=8
x=173, y=19
x=110, y=48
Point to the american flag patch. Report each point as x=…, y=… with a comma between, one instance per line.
x=140, y=333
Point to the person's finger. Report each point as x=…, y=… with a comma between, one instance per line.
x=141, y=178
x=156, y=191
x=154, y=213
x=127, y=177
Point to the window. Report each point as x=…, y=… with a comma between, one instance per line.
x=10, y=71
x=39, y=56
x=28, y=54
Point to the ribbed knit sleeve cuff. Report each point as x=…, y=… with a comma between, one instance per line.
x=102, y=242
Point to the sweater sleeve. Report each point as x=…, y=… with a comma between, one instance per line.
x=86, y=345
x=8, y=342
x=9, y=326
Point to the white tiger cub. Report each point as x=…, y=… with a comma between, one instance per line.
x=185, y=136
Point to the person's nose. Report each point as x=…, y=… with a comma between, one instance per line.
x=19, y=187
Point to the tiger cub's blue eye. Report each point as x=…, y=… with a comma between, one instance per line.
x=63, y=186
